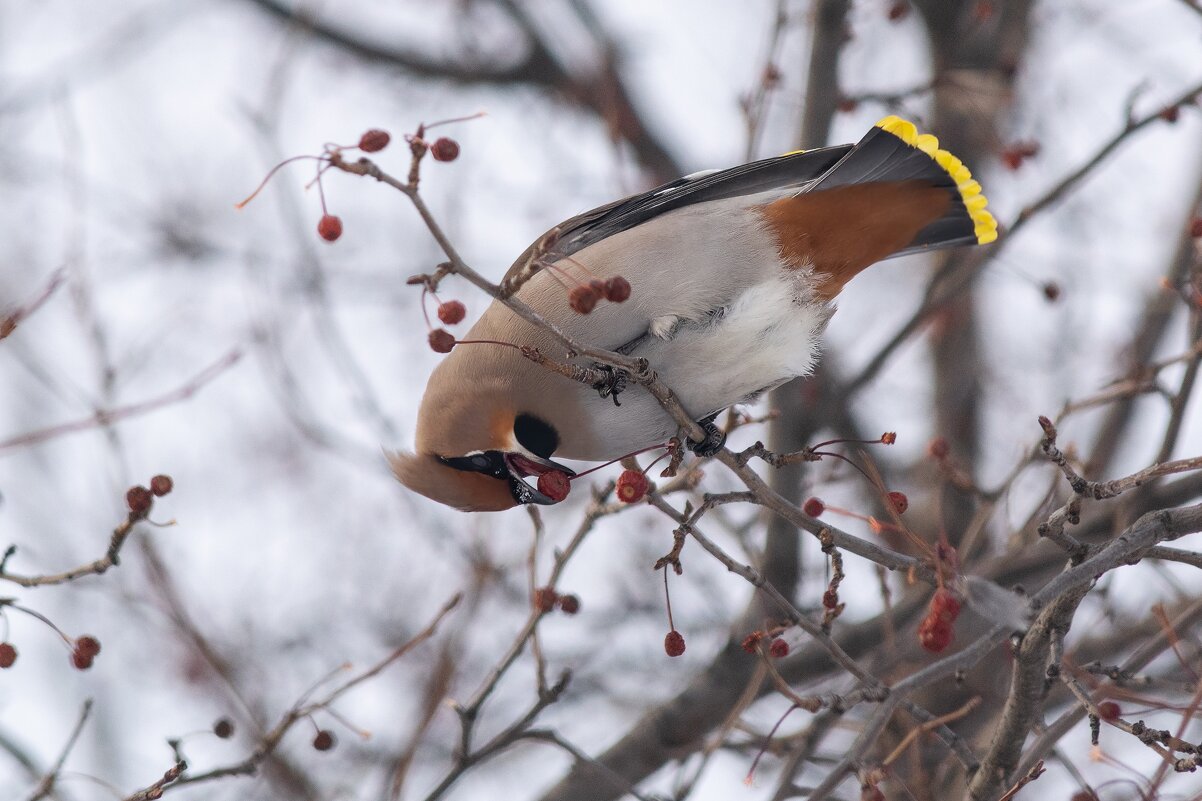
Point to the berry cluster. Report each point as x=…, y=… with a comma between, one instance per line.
x=936, y=631
x=139, y=499
x=329, y=226
x=583, y=298
x=85, y=650
x=450, y=312
x=546, y=599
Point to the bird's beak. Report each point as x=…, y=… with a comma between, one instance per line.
x=521, y=465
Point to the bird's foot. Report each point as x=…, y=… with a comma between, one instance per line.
x=713, y=441
x=612, y=384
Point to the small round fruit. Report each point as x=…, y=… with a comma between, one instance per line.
x=935, y=633
x=324, y=740
x=899, y=502
x=87, y=645
x=441, y=340
x=451, y=312
x=329, y=227
x=80, y=660
x=778, y=649
x=139, y=500
x=582, y=299
x=374, y=141
x=632, y=486
x=674, y=643
x=8, y=654
x=617, y=289
x=1109, y=710
x=814, y=507
x=569, y=604
x=444, y=149
x=224, y=728
x=554, y=484
x=545, y=599
x=160, y=485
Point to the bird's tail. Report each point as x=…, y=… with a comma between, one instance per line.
x=894, y=151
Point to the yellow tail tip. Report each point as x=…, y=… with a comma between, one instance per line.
x=984, y=224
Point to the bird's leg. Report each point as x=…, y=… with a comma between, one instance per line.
x=613, y=382
x=713, y=441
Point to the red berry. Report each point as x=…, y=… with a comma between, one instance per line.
x=8, y=654
x=752, y=641
x=374, y=141
x=617, y=289
x=935, y=633
x=161, y=485
x=598, y=287
x=545, y=599
x=329, y=227
x=1195, y=228
x=87, y=645
x=889, y=437
x=444, y=149
x=139, y=500
x=224, y=728
x=441, y=340
x=1012, y=158
x=1109, y=710
x=900, y=502
x=898, y=11
x=632, y=486
x=674, y=643
x=569, y=604
x=451, y=312
x=945, y=605
x=779, y=649
x=830, y=599
x=582, y=299
x=554, y=484
x=1051, y=291
x=814, y=507
x=80, y=660
x=324, y=740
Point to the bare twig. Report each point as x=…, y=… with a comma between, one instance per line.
x=106, y=417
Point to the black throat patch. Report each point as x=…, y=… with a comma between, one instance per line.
x=536, y=435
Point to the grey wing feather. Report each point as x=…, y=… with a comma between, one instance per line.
x=781, y=172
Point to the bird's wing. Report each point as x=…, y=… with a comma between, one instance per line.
x=782, y=172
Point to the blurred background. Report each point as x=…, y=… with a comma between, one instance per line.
x=265, y=370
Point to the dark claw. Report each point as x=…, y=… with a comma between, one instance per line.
x=613, y=384
x=714, y=439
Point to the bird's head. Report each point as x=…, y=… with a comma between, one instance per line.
x=478, y=481
x=477, y=456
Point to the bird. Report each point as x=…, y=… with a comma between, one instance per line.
x=732, y=274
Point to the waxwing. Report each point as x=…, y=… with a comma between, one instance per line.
x=732, y=277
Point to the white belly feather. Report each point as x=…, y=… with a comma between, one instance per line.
x=766, y=336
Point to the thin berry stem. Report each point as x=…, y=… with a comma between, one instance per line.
x=271, y=173
x=620, y=458
x=668, y=600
